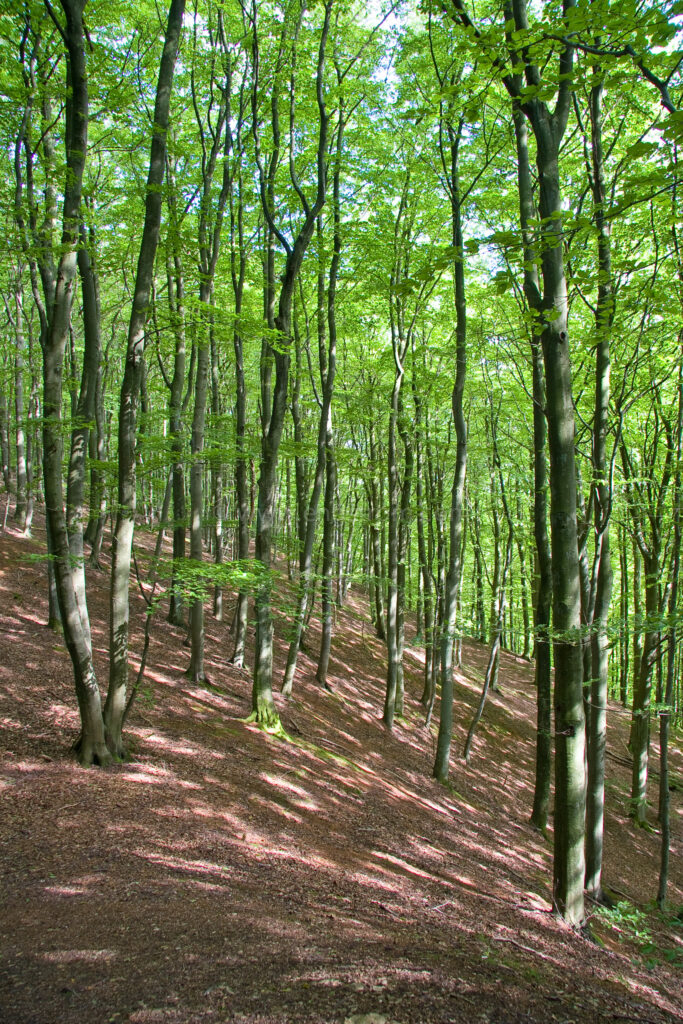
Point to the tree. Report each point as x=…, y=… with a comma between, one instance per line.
x=130, y=389
x=263, y=707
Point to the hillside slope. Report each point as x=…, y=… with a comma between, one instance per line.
x=223, y=874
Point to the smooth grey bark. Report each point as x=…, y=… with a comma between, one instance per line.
x=542, y=608
x=523, y=576
x=21, y=505
x=548, y=128
x=672, y=640
x=452, y=581
x=176, y=404
x=403, y=545
x=327, y=602
x=646, y=506
x=263, y=706
x=624, y=616
x=399, y=486
x=601, y=575
x=211, y=217
x=551, y=327
x=81, y=426
x=5, y=467
x=238, y=266
x=94, y=533
x=122, y=542
x=325, y=471
x=91, y=745
x=375, y=515
x=196, y=667
x=217, y=472
x=37, y=234
x=423, y=558
x=499, y=600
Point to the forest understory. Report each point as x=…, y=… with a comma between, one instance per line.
x=225, y=874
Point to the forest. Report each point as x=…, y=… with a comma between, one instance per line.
x=331, y=324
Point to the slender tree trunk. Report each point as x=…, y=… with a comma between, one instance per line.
x=602, y=567
x=325, y=468
x=196, y=668
x=263, y=706
x=98, y=504
x=176, y=611
x=672, y=639
x=19, y=411
x=443, y=746
x=122, y=544
x=327, y=600
x=4, y=442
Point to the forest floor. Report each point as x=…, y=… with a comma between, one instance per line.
x=224, y=874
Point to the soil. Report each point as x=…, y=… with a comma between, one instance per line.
x=225, y=874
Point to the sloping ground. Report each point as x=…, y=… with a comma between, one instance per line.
x=226, y=875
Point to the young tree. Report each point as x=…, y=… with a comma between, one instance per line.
x=263, y=706
x=122, y=543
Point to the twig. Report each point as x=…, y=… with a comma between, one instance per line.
x=527, y=949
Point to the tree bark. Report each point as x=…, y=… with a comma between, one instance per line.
x=452, y=584
x=122, y=543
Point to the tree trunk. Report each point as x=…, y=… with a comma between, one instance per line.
x=122, y=543
x=91, y=745
x=263, y=706
x=19, y=411
x=450, y=600
x=602, y=567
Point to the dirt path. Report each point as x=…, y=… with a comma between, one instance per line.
x=225, y=875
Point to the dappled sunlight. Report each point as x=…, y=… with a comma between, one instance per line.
x=155, y=775
x=67, y=890
x=177, y=748
x=402, y=865
x=184, y=866
x=258, y=871
x=73, y=956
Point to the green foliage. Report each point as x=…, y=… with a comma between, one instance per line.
x=196, y=579
x=642, y=928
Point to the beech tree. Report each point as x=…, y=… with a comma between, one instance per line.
x=419, y=268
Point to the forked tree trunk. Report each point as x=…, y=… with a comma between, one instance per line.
x=91, y=745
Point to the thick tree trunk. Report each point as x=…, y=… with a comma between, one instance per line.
x=80, y=434
x=570, y=776
x=91, y=746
